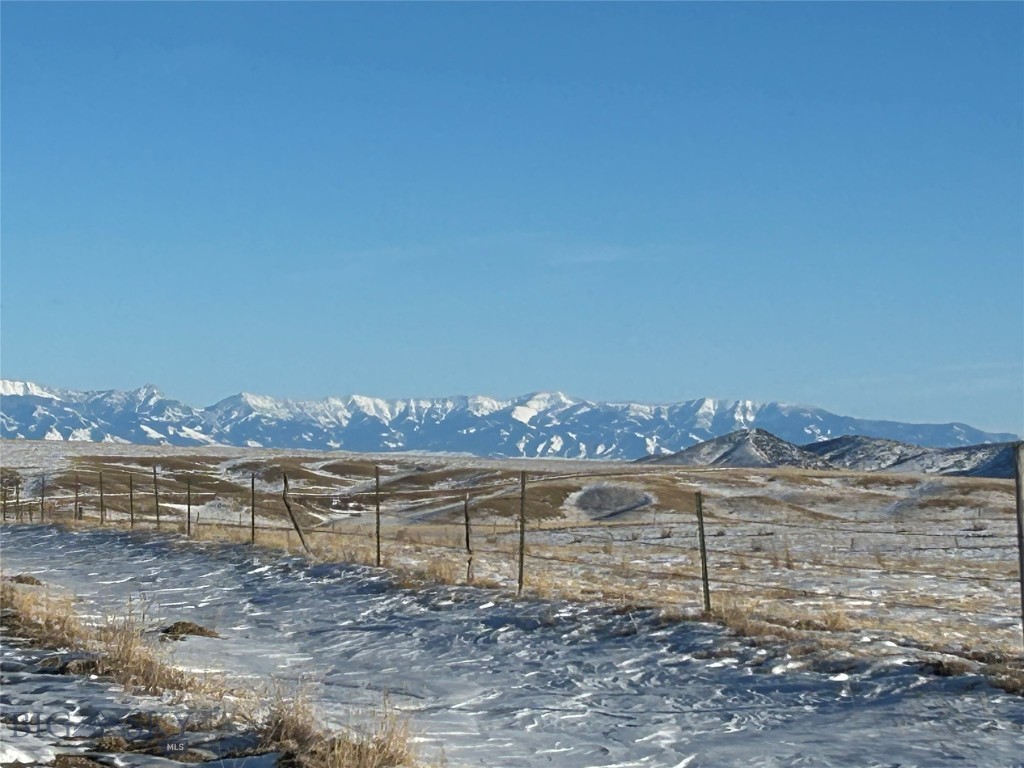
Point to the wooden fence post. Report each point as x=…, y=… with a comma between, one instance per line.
x=19, y=513
x=103, y=504
x=295, y=520
x=131, y=500
x=74, y=514
x=1019, y=476
x=469, y=546
x=5, y=503
x=156, y=497
x=252, y=510
x=522, y=530
x=703, y=553
x=42, y=501
x=376, y=506
x=188, y=508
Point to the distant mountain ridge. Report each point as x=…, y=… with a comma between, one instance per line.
x=541, y=424
x=745, y=448
x=872, y=454
x=758, y=448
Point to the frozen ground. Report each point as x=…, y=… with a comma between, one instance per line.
x=503, y=683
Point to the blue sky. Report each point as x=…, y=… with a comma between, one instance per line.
x=815, y=203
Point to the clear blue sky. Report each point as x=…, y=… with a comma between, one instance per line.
x=816, y=203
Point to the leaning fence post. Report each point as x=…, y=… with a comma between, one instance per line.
x=252, y=509
x=703, y=553
x=156, y=497
x=376, y=506
x=103, y=505
x=131, y=500
x=469, y=547
x=295, y=521
x=522, y=530
x=188, y=508
x=1019, y=477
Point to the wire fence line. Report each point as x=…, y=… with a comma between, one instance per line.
x=506, y=531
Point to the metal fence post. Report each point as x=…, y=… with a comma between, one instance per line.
x=469, y=546
x=522, y=530
x=1019, y=477
x=291, y=514
x=376, y=505
x=156, y=497
x=703, y=553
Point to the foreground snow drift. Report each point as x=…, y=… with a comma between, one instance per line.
x=503, y=683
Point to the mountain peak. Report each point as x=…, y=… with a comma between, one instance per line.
x=543, y=401
x=746, y=448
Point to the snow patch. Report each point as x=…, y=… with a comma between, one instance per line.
x=523, y=414
x=152, y=433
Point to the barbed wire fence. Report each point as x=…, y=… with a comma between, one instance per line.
x=504, y=534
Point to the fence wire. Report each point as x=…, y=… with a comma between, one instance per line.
x=488, y=529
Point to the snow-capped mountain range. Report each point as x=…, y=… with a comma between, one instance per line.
x=542, y=424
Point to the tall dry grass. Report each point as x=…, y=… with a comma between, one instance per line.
x=43, y=618
x=116, y=648
x=380, y=739
x=119, y=650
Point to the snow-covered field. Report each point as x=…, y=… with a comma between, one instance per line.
x=500, y=682
x=873, y=578
x=928, y=560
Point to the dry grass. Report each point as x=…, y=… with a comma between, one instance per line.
x=753, y=616
x=380, y=739
x=383, y=743
x=125, y=656
x=433, y=572
x=356, y=547
x=41, y=617
x=886, y=481
x=291, y=722
x=117, y=648
x=119, y=651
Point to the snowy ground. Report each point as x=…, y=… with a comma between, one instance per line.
x=498, y=682
x=43, y=714
x=891, y=567
x=928, y=560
